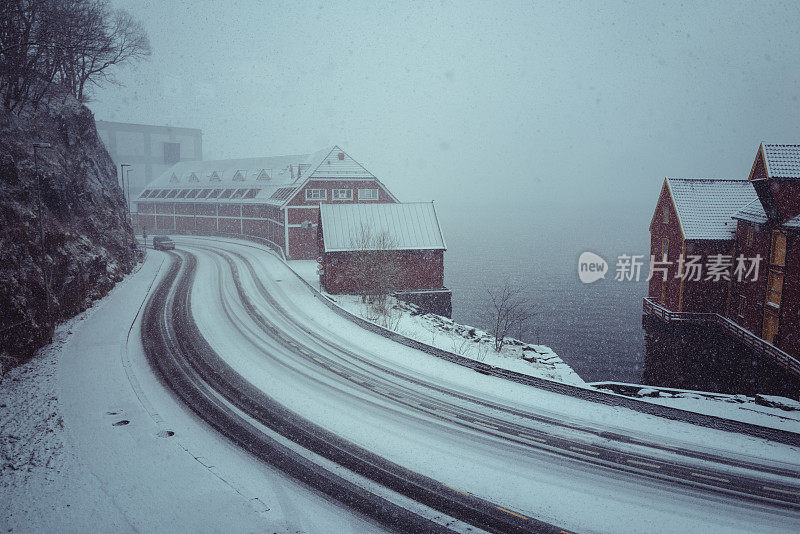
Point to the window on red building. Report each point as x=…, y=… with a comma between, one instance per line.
x=778, y=254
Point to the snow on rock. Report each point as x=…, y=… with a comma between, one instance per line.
x=778, y=402
x=764, y=410
x=444, y=333
x=85, y=233
x=463, y=340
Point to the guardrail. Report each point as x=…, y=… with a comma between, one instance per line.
x=747, y=337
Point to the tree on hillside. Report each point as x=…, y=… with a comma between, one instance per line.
x=373, y=267
x=510, y=310
x=53, y=47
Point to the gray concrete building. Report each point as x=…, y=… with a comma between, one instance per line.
x=149, y=150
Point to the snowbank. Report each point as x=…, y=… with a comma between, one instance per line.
x=540, y=361
x=763, y=410
x=443, y=333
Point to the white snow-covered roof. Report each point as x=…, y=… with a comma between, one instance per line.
x=409, y=226
x=706, y=206
x=225, y=169
x=754, y=213
x=783, y=161
x=271, y=180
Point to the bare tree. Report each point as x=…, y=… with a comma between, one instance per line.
x=373, y=265
x=510, y=310
x=52, y=47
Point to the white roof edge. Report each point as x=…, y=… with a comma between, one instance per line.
x=438, y=224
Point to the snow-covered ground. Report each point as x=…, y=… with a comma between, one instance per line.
x=541, y=361
x=95, y=443
x=764, y=410
x=520, y=478
x=92, y=442
x=443, y=333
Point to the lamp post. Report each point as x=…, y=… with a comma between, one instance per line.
x=122, y=179
x=128, y=196
x=41, y=235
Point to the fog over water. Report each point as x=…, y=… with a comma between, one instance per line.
x=541, y=131
x=596, y=328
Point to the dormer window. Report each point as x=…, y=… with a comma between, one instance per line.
x=367, y=194
x=193, y=178
x=214, y=177
x=316, y=194
x=238, y=177
x=174, y=179
x=264, y=175
x=341, y=194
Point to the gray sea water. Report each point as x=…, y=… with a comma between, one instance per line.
x=596, y=328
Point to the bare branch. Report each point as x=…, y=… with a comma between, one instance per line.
x=51, y=46
x=510, y=310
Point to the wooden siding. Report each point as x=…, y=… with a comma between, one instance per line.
x=672, y=231
x=329, y=185
x=705, y=295
x=417, y=270
x=303, y=243
x=790, y=303
x=755, y=292
x=786, y=195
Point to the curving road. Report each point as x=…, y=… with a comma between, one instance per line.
x=419, y=444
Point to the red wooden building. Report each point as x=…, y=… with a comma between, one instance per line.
x=398, y=248
x=756, y=220
x=769, y=227
x=693, y=218
x=273, y=198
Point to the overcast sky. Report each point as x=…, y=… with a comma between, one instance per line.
x=459, y=102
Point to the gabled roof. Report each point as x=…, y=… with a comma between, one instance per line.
x=705, y=206
x=267, y=174
x=411, y=226
x=783, y=161
x=754, y=213
x=333, y=163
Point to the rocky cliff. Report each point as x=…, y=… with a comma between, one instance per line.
x=86, y=236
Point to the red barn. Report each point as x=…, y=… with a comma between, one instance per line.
x=274, y=198
x=372, y=248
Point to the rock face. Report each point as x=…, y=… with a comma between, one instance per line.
x=86, y=235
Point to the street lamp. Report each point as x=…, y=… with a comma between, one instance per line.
x=128, y=196
x=122, y=177
x=41, y=234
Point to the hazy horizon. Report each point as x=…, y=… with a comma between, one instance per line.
x=472, y=103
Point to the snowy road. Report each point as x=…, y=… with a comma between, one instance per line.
x=445, y=442
x=162, y=471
